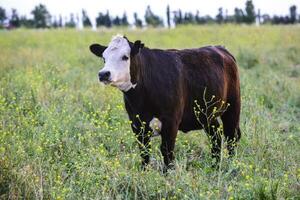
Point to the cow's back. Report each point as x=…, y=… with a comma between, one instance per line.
x=211, y=71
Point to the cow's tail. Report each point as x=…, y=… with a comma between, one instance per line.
x=224, y=50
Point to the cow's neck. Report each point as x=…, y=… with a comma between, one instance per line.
x=135, y=98
x=140, y=75
x=141, y=71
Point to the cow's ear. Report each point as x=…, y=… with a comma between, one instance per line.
x=97, y=49
x=137, y=45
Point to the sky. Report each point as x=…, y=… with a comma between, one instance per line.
x=118, y=7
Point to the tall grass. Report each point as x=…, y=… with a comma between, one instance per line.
x=65, y=136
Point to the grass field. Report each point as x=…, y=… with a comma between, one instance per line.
x=65, y=136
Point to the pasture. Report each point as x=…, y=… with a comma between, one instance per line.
x=63, y=135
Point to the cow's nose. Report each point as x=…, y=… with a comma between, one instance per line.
x=104, y=76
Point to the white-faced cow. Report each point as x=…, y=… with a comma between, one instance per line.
x=163, y=87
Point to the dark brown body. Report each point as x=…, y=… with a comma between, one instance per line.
x=168, y=84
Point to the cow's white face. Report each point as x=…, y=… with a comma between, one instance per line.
x=116, y=70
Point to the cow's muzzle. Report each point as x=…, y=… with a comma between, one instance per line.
x=104, y=76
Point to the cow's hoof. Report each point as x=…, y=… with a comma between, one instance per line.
x=169, y=167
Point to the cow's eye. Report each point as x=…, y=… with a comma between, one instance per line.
x=125, y=57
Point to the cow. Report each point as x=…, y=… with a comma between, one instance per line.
x=169, y=90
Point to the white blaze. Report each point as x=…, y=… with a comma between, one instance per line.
x=119, y=69
x=155, y=125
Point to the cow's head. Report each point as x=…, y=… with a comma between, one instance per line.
x=117, y=56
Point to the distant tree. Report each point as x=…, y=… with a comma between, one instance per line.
x=276, y=19
x=77, y=21
x=226, y=16
x=258, y=16
x=279, y=20
x=41, y=16
x=293, y=14
x=152, y=19
x=250, y=13
x=197, y=17
x=238, y=15
x=27, y=23
x=168, y=16
x=14, y=20
x=286, y=19
x=100, y=20
x=116, y=21
x=2, y=16
x=266, y=19
x=188, y=18
x=103, y=20
x=107, y=20
x=208, y=19
x=203, y=20
x=178, y=17
x=137, y=21
x=85, y=19
x=124, y=20
x=60, y=21
x=54, y=22
x=71, y=23
x=230, y=19
x=219, y=16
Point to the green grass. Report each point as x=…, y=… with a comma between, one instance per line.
x=65, y=136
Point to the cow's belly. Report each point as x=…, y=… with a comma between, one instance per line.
x=189, y=122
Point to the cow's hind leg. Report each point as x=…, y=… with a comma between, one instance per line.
x=230, y=119
x=215, y=138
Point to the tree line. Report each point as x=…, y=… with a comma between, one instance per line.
x=43, y=19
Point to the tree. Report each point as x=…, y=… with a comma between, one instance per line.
x=116, y=21
x=188, y=18
x=55, y=23
x=152, y=19
x=197, y=17
x=219, y=16
x=107, y=20
x=124, y=20
x=238, y=15
x=137, y=21
x=2, y=15
x=168, y=16
x=266, y=19
x=27, y=23
x=103, y=20
x=226, y=16
x=178, y=17
x=259, y=16
x=250, y=13
x=71, y=23
x=293, y=14
x=85, y=19
x=41, y=16
x=100, y=21
x=60, y=23
x=14, y=20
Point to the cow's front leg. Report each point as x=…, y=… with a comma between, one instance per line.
x=142, y=132
x=144, y=145
x=168, y=135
